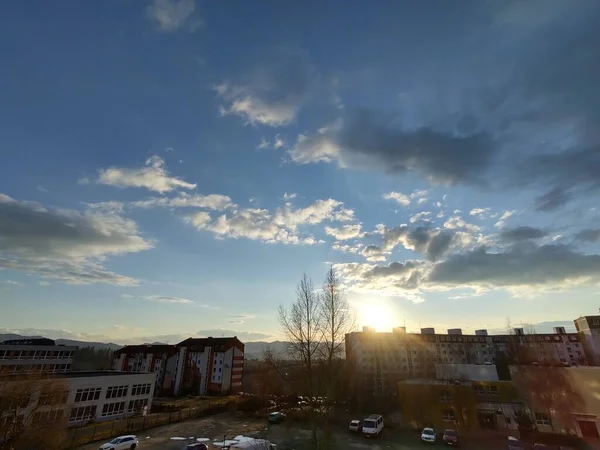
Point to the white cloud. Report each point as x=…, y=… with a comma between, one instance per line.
x=404, y=199
x=422, y=216
x=10, y=283
x=242, y=101
x=278, y=142
x=171, y=15
x=278, y=226
x=345, y=248
x=215, y=202
x=289, y=196
x=200, y=220
x=264, y=144
x=504, y=217
x=161, y=299
x=345, y=232
x=479, y=211
x=153, y=176
x=457, y=222
x=65, y=244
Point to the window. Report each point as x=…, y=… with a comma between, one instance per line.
x=47, y=416
x=113, y=409
x=136, y=406
x=446, y=396
x=117, y=391
x=87, y=394
x=53, y=398
x=447, y=414
x=140, y=389
x=492, y=390
x=542, y=419
x=219, y=370
x=82, y=413
x=478, y=389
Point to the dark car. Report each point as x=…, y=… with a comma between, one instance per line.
x=196, y=446
x=450, y=437
x=515, y=444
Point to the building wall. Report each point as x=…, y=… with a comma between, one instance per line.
x=562, y=398
x=144, y=387
x=588, y=328
x=380, y=360
x=35, y=358
x=466, y=406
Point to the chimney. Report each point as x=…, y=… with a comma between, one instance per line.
x=456, y=331
x=481, y=333
x=399, y=330
x=560, y=330
x=427, y=330
x=519, y=331
x=368, y=330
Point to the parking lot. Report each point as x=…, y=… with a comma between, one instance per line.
x=287, y=436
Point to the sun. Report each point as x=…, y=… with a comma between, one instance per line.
x=379, y=314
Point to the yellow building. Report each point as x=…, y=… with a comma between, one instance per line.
x=465, y=406
x=562, y=399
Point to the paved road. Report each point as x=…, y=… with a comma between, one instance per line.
x=286, y=435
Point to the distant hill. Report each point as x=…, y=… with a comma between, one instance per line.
x=254, y=350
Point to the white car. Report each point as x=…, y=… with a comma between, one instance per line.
x=128, y=442
x=355, y=425
x=428, y=436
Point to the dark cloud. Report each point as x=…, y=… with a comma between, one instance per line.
x=553, y=199
x=432, y=243
x=525, y=265
x=65, y=244
x=522, y=234
x=588, y=235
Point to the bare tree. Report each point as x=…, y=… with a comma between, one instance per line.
x=336, y=320
x=32, y=412
x=302, y=326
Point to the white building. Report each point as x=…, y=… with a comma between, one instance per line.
x=75, y=396
x=36, y=355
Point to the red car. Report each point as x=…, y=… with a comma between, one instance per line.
x=450, y=437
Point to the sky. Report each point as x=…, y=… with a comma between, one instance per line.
x=171, y=168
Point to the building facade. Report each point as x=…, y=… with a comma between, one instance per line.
x=204, y=366
x=588, y=328
x=380, y=360
x=75, y=397
x=36, y=355
x=158, y=359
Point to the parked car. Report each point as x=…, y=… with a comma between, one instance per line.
x=373, y=425
x=196, y=446
x=276, y=417
x=428, y=436
x=450, y=437
x=128, y=442
x=515, y=444
x=355, y=425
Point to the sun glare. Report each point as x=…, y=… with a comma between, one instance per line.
x=378, y=314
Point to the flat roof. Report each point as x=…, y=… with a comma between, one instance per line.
x=74, y=374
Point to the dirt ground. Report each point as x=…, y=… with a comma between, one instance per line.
x=287, y=436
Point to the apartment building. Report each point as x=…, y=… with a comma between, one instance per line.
x=588, y=328
x=158, y=359
x=36, y=355
x=196, y=366
x=380, y=359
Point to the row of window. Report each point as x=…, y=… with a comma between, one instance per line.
x=83, y=413
x=87, y=394
x=140, y=389
x=113, y=409
x=35, y=354
x=47, y=416
x=53, y=398
x=137, y=406
x=117, y=391
x=35, y=368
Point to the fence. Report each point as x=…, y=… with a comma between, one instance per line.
x=131, y=425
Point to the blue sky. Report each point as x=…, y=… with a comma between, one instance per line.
x=172, y=167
